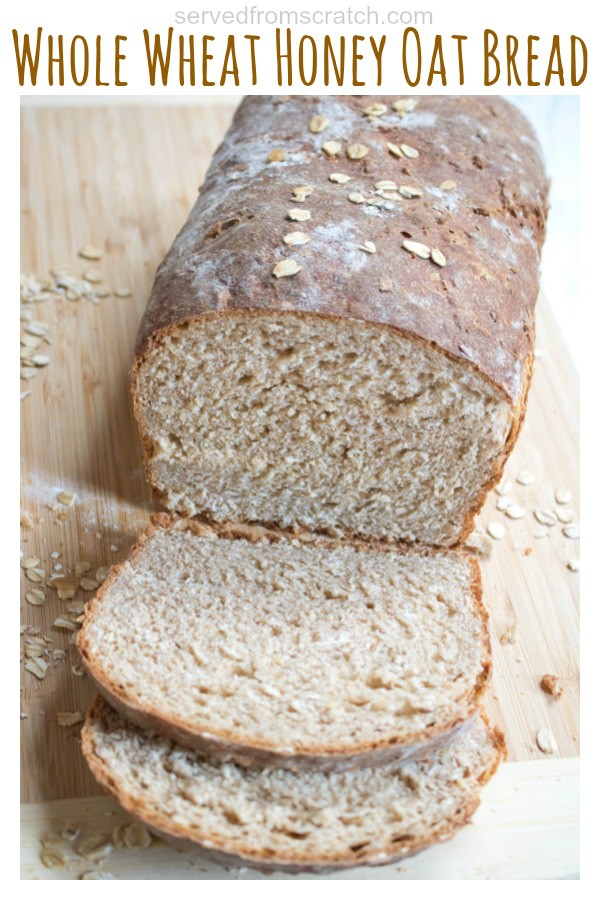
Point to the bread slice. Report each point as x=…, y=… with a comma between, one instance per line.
x=278, y=819
x=295, y=650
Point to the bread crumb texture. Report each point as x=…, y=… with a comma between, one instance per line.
x=328, y=426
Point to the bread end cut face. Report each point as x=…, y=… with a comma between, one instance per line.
x=331, y=425
x=296, y=651
x=273, y=818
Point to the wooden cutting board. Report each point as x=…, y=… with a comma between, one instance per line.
x=122, y=179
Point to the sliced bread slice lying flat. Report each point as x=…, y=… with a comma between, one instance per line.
x=296, y=821
x=262, y=647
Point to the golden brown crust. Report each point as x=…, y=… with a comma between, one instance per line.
x=242, y=855
x=490, y=226
x=227, y=746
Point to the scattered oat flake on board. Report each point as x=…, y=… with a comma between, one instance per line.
x=78, y=670
x=394, y=149
x=417, y=249
x=514, y=512
x=318, y=124
x=26, y=519
x=64, y=624
x=355, y=197
x=88, y=584
x=504, y=487
x=574, y=565
x=496, y=530
x=93, y=276
x=563, y=496
x=572, y=532
x=64, y=583
x=76, y=606
x=331, y=148
x=81, y=568
x=438, y=257
x=368, y=247
x=122, y=292
x=551, y=685
x=94, y=846
x=525, y=477
x=357, y=151
x=35, y=575
x=136, y=836
x=546, y=741
x=545, y=516
x=40, y=360
x=276, y=156
x=565, y=515
x=102, y=573
x=67, y=498
x=448, y=185
x=30, y=562
x=386, y=185
x=90, y=252
x=298, y=215
x=386, y=284
x=37, y=667
x=509, y=635
x=66, y=719
x=35, y=597
x=340, y=178
x=285, y=268
x=53, y=859
x=502, y=503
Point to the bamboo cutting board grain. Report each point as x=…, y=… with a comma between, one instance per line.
x=123, y=179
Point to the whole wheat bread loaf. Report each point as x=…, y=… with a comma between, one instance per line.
x=301, y=651
x=296, y=821
x=340, y=338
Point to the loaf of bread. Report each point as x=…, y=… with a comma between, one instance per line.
x=300, y=651
x=341, y=336
x=295, y=821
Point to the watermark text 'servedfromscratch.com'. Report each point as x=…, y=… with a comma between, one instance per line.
x=251, y=15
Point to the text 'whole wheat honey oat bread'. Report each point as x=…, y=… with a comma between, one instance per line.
x=300, y=651
x=296, y=821
x=340, y=338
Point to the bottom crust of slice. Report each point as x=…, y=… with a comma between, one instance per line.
x=277, y=819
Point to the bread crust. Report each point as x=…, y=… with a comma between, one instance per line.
x=491, y=228
x=244, y=855
x=228, y=747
